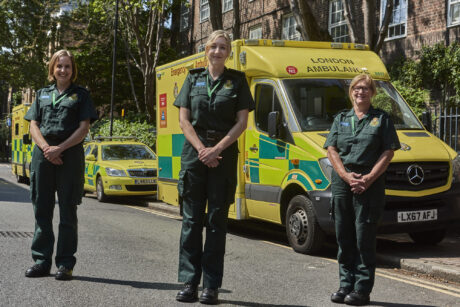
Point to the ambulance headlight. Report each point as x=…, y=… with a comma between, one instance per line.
x=456, y=169
x=326, y=167
x=115, y=172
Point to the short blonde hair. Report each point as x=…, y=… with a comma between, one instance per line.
x=215, y=35
x=54, y=59
x=362, y=77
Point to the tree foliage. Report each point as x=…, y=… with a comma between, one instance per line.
x=25, y=28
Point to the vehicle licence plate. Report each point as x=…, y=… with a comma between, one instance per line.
x=144, y=181
x=417, y=216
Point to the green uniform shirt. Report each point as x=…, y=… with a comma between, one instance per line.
x=213, y=104
x=60, y=119
x=364, y=143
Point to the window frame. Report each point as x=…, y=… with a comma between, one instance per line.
x=253, y=28
x=229, y=8
x=450, y=4
x=203, y=4
x=297, y=36
x=342, y=23
x=383, y=4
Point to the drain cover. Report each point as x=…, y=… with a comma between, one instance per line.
x=16, y=234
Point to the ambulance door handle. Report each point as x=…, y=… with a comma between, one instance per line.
x=253, y=149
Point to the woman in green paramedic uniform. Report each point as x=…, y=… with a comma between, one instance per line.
x=59, y=121
x=360, y=146
x=214, y=105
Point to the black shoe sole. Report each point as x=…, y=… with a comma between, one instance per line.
x=186, y=299
x=63, y=277
x=37, y=275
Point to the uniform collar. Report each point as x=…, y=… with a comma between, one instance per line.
x=206, y=72
x=53, y=87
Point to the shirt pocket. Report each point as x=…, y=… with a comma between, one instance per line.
x=47, y=112
x=225, y=102
x=68, y=112
x=198, y=99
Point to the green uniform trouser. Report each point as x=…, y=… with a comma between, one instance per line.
x=198, y=184
x=356, y=217
x=67, y=180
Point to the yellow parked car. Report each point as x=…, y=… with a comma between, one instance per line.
x=119, y=166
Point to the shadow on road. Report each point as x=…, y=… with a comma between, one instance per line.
x=13, y=193
x=240, y=303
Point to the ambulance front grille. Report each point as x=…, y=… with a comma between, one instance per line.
x=435, y=174
x=142, y=172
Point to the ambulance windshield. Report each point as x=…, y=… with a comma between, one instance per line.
x=316, y=101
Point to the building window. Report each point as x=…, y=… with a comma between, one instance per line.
x=227, y=5
x=201, y=48
x=255, y=32
x=289, y=28
x=338, y=27
x=184, y=15
x=398, y=19
x=453, y=13
x=204, y=10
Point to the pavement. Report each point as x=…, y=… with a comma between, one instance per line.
x=441, y=261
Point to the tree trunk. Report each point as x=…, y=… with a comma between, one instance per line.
x=369, y=22
x=349, y=14
x=175, y=23
x=384, y=28
x=306, y=22
x=215, y=14
x=236, y=19
x=131, y=83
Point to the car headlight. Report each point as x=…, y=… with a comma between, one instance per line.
x=115, y=172
x=326, y=166
x=456, y=169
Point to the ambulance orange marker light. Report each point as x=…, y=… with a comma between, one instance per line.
x=295, y=162
x=318, y=181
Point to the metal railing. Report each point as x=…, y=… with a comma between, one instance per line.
x=446, y=126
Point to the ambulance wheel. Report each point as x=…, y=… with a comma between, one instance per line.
x=20, y=179
x=302, y=228
x=101, y=197
x=431, y=237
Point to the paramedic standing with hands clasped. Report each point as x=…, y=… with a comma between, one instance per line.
x=360, y=146
x=59, y=121
x=214, y=105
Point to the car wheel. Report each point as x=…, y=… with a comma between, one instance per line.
x=100, y=190
x=431, y=237
x=302, y=228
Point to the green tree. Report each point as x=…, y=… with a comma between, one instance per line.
x=24, y=29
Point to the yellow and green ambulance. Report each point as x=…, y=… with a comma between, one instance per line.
x=283, y=172
x=21, y=144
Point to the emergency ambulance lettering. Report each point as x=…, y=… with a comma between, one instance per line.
x=178, y=71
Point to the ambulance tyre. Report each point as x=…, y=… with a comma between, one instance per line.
x=101, y=197
x=302, y=228
x=431, y=237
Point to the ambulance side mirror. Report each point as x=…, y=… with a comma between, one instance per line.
x=26, y=139
x=426, y=120
x=273, y=124
x=90, y=157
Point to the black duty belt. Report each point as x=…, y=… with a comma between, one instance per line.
x=211, y=135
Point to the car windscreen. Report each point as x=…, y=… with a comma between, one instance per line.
x=127, y=152
x=316, y=101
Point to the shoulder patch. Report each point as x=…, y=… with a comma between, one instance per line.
x=197, y=70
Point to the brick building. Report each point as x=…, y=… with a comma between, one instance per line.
x=412, y=25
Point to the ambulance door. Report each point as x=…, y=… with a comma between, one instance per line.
x=91, y=167
x=267, y=159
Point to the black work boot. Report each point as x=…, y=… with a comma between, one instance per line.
x=188, y=294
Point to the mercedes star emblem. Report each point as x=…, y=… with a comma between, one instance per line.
x=415, y=174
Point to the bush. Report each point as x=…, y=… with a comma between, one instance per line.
x=415, y=97
x=131, y=126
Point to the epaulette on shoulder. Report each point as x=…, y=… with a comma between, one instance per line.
x=81, y=89
x=196, y=70
x=235, y=72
